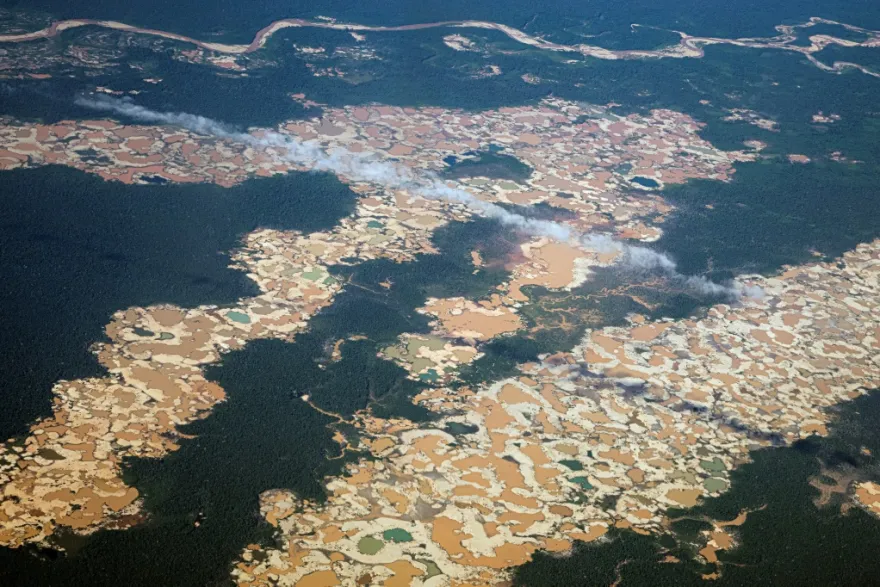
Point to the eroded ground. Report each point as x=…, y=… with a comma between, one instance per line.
x=628, y=423
x=631, y=422
x=156, y=355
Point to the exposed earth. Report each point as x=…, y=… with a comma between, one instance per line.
x=566, y=383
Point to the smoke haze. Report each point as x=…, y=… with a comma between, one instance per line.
x=369, y=168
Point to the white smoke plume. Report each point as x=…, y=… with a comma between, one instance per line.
x=369, y=168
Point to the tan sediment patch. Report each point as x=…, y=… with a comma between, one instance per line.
x=708, y=553
x=722, y=539
x=557, y=545
x=404, y=573
x=525, y=198
x=447, y=533
x=739, y=520
x=593, y=532
x=686, y=497
x=496, y=416
x=522, y=522
x=619, y=371
x=381, y=445
x=549, y=264
x=462, y=318
x=536, y=454
x=168, y=317
x=618, y=456
x=868, y=495
x=332, y=534
x=476, y=258
x=319, y=579
x=477, y=478
x=649, y=332
x=608, y=344
x=512, y=394
x=717, y=540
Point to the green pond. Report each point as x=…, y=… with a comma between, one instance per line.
x=239, y=317
x=370, y=545
x=397, y=535
x=429, y=376
x=583, y=482
x=715, y=465
x=712, y=484
x=432, y=570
